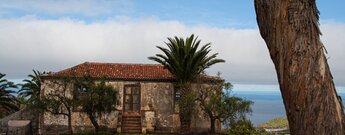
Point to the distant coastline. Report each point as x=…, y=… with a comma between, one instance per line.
x=268, y=103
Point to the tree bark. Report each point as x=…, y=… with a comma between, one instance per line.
x=213, y=129
x=185, y=108
x=291, y=32
x=69, y=117
x=94, y=121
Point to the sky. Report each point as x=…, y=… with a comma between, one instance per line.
x=49, y=35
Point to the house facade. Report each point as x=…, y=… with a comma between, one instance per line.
x=147, y=99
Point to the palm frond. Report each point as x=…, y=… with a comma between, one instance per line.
x=8, y=102
x=184, y=59
x=32, y=87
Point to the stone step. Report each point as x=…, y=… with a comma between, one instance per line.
x=131, y=122
x=131, y=125
x=131, y=128
x=131, y=131
x=131, y=119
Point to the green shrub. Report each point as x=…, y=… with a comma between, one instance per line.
x=244, y=127
x=276, y=123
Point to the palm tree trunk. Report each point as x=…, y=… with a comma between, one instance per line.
x=185, y=106
x=290, y=30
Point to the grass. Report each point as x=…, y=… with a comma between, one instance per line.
x=275, y=123
x=93, y=133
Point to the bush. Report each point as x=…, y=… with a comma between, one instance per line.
x=244, y=127
x=276, y=123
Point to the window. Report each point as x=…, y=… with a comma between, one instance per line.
x=177, y=93
x=80, y=90
x=177, y=97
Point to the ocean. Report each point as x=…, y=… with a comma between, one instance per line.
x=268, y=103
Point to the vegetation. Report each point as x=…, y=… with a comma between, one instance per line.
x=217, y=104
x=30, y=90
x=94, y=133
x=82, y=94
x=96, y=100
x=244, y=127
x=234, y=108
x=186, y=61
x=8, y=102
x=276, y=123
x=60, y=101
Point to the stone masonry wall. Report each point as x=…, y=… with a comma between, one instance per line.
x=159, y=97
x=80, y=121
x=24, y=114
x=158, y=109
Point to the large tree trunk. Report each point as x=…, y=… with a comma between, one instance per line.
x=290, y=30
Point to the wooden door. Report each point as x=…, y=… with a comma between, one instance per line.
x=131, y=99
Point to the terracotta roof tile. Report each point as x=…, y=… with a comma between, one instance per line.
x=119, y=71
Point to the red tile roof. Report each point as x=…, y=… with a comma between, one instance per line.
x=120, y=71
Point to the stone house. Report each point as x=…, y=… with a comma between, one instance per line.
x=147, y=99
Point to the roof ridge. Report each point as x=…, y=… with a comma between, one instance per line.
x=68, y=69
x=120, y=70
x=87, y=62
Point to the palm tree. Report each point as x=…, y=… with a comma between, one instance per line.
x=32, y=87
x=186, y=61
x=8, y=102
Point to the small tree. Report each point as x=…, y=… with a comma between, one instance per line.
x=60, y=101
x=97, y=99
x=216, y=103
x=82, y=93
x=234, y=108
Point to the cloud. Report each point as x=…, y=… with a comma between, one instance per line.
x=52, y=45
x=334, y=42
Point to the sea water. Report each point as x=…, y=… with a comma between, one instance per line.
x=268, y=102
